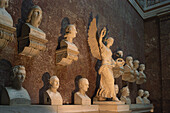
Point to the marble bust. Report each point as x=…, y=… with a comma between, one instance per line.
x=68, y=51
x=52, y=96
x=125, y=95
x=136, y=73
x=6, y=25
x=128, y=69
x=32, y=39
x=145, y=97
x=80, y=97
x=16, y=94
x=118, y=70
x=139, y=99
x=142, y=77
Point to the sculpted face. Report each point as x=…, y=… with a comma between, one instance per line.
x=19, y=76
x=2, y=3
x=71, y=31
x=35, y=16
x=129, y=61
x=116, y=89
x=54, y=81
x=110, y=42
x=136, y=64
x=141, y=92
x=146, y=94
x=83, y=84
x=127, y=92
x=142, y=67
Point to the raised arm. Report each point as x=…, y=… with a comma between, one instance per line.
x=102, y=34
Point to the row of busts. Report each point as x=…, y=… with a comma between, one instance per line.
x=16, y=94
x=32, y=40
x=132, y=71
x=142, y=97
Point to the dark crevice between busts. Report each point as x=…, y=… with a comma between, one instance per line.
x=46, y=86
x=5, y=73
x=25, y=8
x=76, y=81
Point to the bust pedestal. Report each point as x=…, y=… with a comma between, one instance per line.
x=6, y=28
x=112, y=107
x=52, y=98
x=81, y=99
x=32, y=40
x=12, y=96
x=67, y=53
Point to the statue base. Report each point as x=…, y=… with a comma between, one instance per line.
x=12, y=96
x=112, y=106
x=81, y=99
x=139, y=108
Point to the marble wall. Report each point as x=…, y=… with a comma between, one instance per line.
x=157, y=52
x=125, y=26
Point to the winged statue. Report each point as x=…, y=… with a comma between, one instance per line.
x=100, y=49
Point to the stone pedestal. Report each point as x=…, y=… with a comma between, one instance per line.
x=51, y=98
x=67, y=53
x=81, y=100
x=142, y=108
x=50, y=109
x=6, y=34
x=32, y=41
x=112, y=107
x=12, y=96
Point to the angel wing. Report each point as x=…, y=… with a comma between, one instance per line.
x=92, y=40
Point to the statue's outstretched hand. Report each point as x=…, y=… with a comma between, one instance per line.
x=103, y=32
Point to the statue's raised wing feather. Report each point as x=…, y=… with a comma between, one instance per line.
x=92, y=41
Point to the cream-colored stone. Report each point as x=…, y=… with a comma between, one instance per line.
x=111, y=106
x=136, y=73
x=142, y=77
x=68, y=51
x=145, y=98
x=128, y=69
x=80, y=97
x=16, y=94
x=139, y=99
x=6, y=25
x=52, y=96
x=118, y=70
x=125, y=95
x=104, y=53
x=32, y=39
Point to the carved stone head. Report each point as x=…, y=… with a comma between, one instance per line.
x=116, y=89
x=141, y=67
x=109, y=41
x=136, y=64
x=54, y=82
x=35, y=16
x=4, y=3
x=119, y=53
x=146, y=94
x=70, y=32
x=18, y=77
x=125, y=91
x=140, y=92
x=83, y=85
x=129, y=61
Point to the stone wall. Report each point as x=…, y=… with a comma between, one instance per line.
x=123, y=22
x=157, y=51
